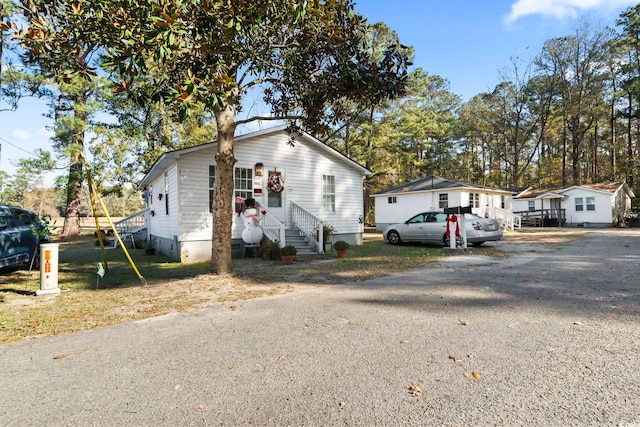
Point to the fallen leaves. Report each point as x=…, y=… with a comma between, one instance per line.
x=454, y=358
x=473, y=374
x=415, y=390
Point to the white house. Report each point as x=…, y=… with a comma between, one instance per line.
x=434, y=193
x=599, y=205
x=320, y=186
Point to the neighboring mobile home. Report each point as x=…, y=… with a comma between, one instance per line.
x=598, y=205
x=314, y=184
x=434, y=193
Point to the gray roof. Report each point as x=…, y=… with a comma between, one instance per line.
x=435, y=183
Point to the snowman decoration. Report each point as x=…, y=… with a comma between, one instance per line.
x=252, y=233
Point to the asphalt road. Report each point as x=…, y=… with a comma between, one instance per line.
x=547, y=336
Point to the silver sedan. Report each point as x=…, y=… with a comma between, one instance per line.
x=431, y=227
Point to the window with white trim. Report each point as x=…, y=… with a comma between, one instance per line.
x=579, y=204
x=443, y=200
x=243, y=183
x=328, y=193
x=532, y=205
x=392, y=199
x=474, y=200
x=591, y=203
x=212, y=184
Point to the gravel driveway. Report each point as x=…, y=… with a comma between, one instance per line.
x=549, y=336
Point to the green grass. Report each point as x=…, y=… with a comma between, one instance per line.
x=78, y=264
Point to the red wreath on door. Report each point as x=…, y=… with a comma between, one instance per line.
x=276, y=183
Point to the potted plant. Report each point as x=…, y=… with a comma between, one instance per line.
x=341, y=248
x=327, y=232
x=288, y=252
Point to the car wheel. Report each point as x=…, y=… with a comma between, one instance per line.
x=447, y=241
x=393, y=237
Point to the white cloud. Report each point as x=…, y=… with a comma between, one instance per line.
x=560, y=8
x=21, y=134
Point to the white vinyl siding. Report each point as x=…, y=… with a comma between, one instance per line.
x=596, y=206
x=302, y=166
x=165, y=208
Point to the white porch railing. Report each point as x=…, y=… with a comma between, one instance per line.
x=271, y=226
x=308, y=224
x=134, y=223
x=510, y=220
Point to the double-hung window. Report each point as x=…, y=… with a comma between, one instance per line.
x=532, y=205
x=392, y=199
x=328, y=193
x=443, y=200
x=243, y=181
x=474, y=200
x=591, y=203
x=579, y=204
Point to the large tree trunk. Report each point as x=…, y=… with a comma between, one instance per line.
x=71, y=225
x=224, y=185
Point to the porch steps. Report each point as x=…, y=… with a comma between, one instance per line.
x=294, y=238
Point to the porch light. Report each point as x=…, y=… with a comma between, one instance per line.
x=259, y=169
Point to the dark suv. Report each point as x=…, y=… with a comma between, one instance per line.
x=21, y=232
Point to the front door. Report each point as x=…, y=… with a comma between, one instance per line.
x=276, y=192
x=555, y=208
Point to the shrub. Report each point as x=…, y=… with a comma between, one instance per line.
x=327, y=232
x=288, y=250
x=341, y=245
x=270, y=250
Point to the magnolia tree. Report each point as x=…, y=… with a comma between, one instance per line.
x=306, y=59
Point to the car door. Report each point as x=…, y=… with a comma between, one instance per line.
x=436, y=226
x=414, y=229
x=12, y=250
x=8, y=238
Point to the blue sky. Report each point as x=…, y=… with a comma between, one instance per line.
x=468, y=42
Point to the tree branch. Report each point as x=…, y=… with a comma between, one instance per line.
x=255, y=118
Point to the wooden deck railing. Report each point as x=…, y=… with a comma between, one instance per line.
x=544, y=217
